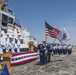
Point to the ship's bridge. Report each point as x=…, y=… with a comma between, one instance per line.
x=6, y=18
x=6, y=21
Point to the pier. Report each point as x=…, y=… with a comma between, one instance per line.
x=60, y=65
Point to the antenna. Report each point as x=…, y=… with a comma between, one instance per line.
x=3, y=1
x=3, y=4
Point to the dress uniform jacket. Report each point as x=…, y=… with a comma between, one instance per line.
x=13, y=44
x=8, y=44
x=2, y=45
x=69, y=49
x=42, y=53
x=18, y=45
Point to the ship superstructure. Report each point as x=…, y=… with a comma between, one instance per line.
x=9, y=26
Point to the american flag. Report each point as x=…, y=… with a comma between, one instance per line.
x=51, y=31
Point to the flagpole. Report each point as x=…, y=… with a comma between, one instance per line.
x=54, y=41
x=45, y=38
x=45, y=33
x=60, y=41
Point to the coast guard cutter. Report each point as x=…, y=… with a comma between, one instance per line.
x=27, y=42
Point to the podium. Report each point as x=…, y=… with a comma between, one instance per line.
x=6, y=60
x=31, y=48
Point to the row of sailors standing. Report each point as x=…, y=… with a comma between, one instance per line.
x=45, y=53
x=46, y=50
x=5, y=44
x=59, y=49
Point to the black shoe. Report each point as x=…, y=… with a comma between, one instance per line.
x=41, y=64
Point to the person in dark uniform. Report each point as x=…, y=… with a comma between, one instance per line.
x=49, y=48
x=42, y=53
x=45, y=52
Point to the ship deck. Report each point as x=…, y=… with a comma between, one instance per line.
x=60, y=65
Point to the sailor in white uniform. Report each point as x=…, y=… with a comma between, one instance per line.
x=18, y=44
x=59, y=49
x=54, y=49
x=65, y=49
x=2, y=44
x=13, y=44
x=8, y=44
x=69, y=49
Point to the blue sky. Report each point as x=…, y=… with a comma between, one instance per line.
x=33, y=13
